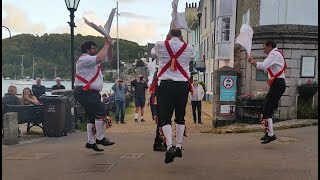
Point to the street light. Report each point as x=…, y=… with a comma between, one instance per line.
x=8, y=30
x=72, y=6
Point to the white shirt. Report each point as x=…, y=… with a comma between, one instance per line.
x=198, y=93
x=274, y=61
x=86, y=67
x=184, y=59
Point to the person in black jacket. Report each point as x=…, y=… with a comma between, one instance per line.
x=38, y=89
x=58, y=85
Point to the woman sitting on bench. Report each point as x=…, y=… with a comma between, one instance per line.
x=28, y=98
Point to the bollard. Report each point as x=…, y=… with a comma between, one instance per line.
x=10, y=128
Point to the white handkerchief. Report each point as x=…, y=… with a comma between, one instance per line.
x=245, y=38
x=178, y=19
x=105, y=31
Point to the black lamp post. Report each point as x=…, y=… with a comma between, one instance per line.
x=72, y=6
x=8, y=30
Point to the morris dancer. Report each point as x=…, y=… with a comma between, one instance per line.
x=88, y=84
x=275, y=65
x=174, y=77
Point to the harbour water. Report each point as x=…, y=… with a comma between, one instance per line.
x=22, y=84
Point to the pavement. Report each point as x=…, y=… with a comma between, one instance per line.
x=205, y=156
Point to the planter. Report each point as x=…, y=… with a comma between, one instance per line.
x=306, y=91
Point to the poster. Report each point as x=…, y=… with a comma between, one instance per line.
x=227, y=109
x=228, y=88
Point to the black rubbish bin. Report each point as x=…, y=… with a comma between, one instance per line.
x=70, y=107
x=53, y=115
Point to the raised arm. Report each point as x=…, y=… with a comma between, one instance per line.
x=105, y=51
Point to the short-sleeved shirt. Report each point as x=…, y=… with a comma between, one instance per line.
x=56, y=87
x=38, y=90
x=87, y=67
x=139, y=88
x=161, y=52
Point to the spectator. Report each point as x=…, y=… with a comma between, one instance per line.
x=196, y=99
x=11, y=98
x=38, y=89
x=58, y=85
x=140, y=87
x=120, y=90
x=105, y=98
x=28, y=98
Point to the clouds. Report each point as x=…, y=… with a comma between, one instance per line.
x=19, y=21
x=135, y=27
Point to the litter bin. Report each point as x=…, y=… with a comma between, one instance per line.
x=70, y=107
x=53, y=115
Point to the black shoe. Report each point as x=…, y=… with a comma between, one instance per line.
x=200, y=122
x=178, y=152
x=264, y=137
x=170, y=155
x=122, y=122
x=159, y=147
x=194, y=122
x=269, y=139
x=93, y=146
x=135, y=120
x=104, y=142
x=142, y=120
x=117, y=122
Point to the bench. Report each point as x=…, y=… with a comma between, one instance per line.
x=32, y=115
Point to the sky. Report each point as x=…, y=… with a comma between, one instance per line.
x=141, y=21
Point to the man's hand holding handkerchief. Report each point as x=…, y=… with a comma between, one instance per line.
x=245, y=38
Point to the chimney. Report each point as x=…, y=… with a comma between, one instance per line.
x=186, y=5
x=195, y=5
x=192, y=5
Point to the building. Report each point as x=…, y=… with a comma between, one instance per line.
x=293, y=25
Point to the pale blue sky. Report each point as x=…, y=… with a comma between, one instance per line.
x=141, y=21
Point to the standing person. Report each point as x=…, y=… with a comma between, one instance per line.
x=140, y=87
x=87, y=87
x=38, y=89
x=120, y=90
x=174, y=57
x=58, y=85
x=196, y=99
x=275, y=65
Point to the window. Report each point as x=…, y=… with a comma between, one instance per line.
x=204, y=50
x=212, y=82
x=207, y=80
x=212, y=10
x=207, y=47
x=205, y=17
x=308, y=66
x=212, y=46
x=246, y=18
x=225, y=29
x=261, y=76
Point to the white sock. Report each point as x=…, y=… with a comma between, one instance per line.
x=179, y=134
x=167, y=132
x=135, y=115
x=270, y=127
x=90, y=133
x=141, y=117
x=99, y=128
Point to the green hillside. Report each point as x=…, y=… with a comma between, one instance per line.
x=53, y=50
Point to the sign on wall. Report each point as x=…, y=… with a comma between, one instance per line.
x=228, y=88
x=227, y=109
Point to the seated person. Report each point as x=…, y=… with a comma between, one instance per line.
x=28, y=98
x=110, y=97
x=11, y=98
x=58, y=85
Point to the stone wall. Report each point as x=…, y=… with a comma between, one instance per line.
x=295, y=41
x=242, y=8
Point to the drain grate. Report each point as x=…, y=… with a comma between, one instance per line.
x=100, y=167
x=26, y=156
x=132, y=155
